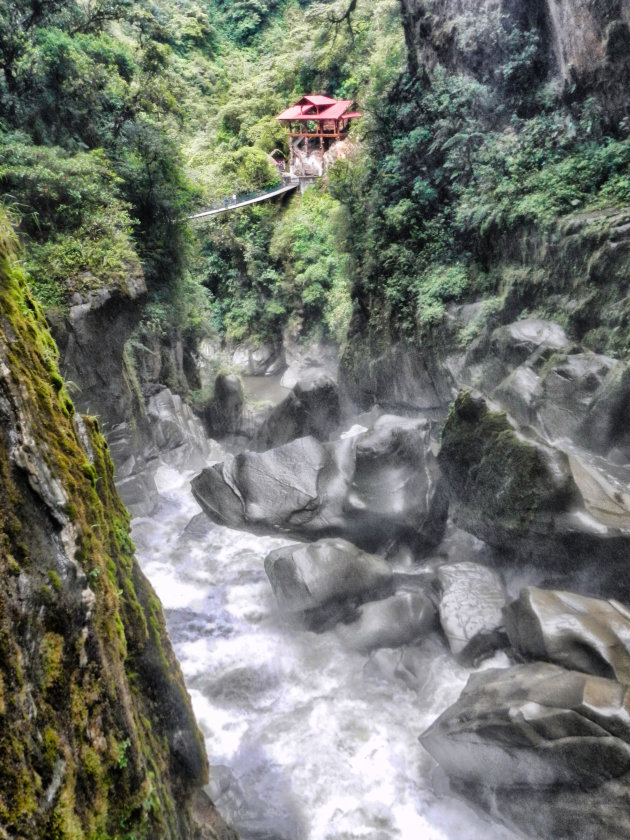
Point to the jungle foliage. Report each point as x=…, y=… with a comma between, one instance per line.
x=117, y=117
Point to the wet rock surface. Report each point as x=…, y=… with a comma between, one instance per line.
x=306, y=577
x=470, y=606
x=311, y=408
x=377, y=489
x=402, y=619
x=574, y=631
x=546, y=505
x=541, y=747
x=224, y=411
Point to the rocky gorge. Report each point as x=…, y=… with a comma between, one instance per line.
x=484, y=510
x=391, y=559
x=534, y=496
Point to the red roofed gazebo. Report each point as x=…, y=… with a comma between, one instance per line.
x=315, y=123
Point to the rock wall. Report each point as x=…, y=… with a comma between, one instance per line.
x=582, y=43
x=97, y=733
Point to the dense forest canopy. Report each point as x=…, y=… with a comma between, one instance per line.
x=117, y=117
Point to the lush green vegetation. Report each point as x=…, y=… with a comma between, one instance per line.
x=460, y=168
x=117, y=117
x=279, y=266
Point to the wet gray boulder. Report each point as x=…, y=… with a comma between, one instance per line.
x=544, y=749
x=556, y=508
x=307, y=577
x=604, y=428
x=555, y=394
x=579, y=633
x=397, y=489
x=401, y=619
x=471, y=601
x=177, y=433
x=311, y=408
x=489, y=360
x=297, y=489
x=378, y=489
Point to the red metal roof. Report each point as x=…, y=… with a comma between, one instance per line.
x=319, y=108
x=296, y=112
x=318, y=99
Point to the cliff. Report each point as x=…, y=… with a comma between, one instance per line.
x=96, y=728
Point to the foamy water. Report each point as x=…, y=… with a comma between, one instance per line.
x=307, y=739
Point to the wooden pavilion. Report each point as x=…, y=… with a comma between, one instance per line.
x=315, y=123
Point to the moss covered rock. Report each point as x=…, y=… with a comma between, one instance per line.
x=530, y=499
x=97, y=734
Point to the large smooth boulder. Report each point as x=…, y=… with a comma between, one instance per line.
x=545, y=749
x=312, y=408
x=470, y=606
x=401, y=619
x=397, y=489
x=178, y=434
x=552, y=507
x=555, y=394
x=378, y=489
x=307, y=577
x=579, y=633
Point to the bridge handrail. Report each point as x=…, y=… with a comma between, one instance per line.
x=219, y=205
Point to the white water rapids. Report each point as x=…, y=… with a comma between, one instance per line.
x=307, y=740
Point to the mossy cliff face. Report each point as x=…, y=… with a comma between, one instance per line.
x=97, y=735
x=583, y=43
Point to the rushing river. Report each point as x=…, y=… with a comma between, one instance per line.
x=308, y=740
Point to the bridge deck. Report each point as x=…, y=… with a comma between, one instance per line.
x=245, y=202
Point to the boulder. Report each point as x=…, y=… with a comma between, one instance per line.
x=257, y=361
x=604, y=428
x=490, y=359
x=378, y=490
x=297, y=489
x=401, y=619
x=555, y=394
x=307, y=577
x=396, y=488
x=312, y=408
x=305, y=362
x=470, y=606
x=542, y=748
x=579, y=633
x=553, y=507
x=177, y=433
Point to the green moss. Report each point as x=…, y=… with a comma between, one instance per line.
x=55, y=580
x=82, y=686
x=65, y=824
x=497, y=475
x=51, y=747
x=89, y=472
x=51, y=651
